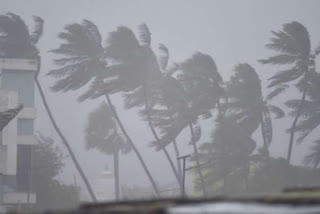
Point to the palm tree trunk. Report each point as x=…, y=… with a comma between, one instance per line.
x=263, y=133
x=64, y=140
x=158, y=139
x=221, y=119
x=115, y=115
x=116, y=174
x=197, y=161
x=176, y=150
x=293, y=127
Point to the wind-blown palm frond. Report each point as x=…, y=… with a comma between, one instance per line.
x=277, y=111
x=81, y=56
x=285, y=76
x=15, y=39
x=278, y=90
x=313, y=159
x=293, y=44
x=145, y=35
x=38, y=29
x=164, y=57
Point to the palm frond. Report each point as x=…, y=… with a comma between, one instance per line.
x=278, y=90
x=277, y=111
x=145, y=35
x=15, y=39
x=280, y=59
x=307, y=126
x=38, y=29
x=122, y=45
x=164, y=57
x=285, y=76
x=313, y=158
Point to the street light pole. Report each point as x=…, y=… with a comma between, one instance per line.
x=183, y=191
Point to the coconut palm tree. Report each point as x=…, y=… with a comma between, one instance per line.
x=17, y=42
x=194, y=93
x=293, y=48
x=246, y=104
x=83, y=60
x=310, y=121
x=103, y=134
x=137, y=74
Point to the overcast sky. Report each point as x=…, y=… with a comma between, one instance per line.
x=231, y=32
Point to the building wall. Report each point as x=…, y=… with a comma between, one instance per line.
x=17, y=138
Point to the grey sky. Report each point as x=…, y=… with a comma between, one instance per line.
x=230, y=31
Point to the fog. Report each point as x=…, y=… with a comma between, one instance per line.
x=231, y=32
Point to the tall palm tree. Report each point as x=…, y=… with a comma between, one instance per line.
x=17, y=42
x=194, y=93
x=83, y=60
x=293, y=48
x=310, y=121
x=102, y=134
x=137, y=74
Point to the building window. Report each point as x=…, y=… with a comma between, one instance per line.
x=25, y=126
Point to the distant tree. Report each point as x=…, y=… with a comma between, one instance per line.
x=293, y=48
x=102, y=134
x=47, y=164
x=17, y=42
x=83, y=59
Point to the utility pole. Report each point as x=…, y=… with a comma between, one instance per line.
x=184, y=157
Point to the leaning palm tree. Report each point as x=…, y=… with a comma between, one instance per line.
x=83, y=60
x=17, y=42
x=102, y=134
x=310, y=118
x=293, y=48
x=246, y=104
x=194, y=93
x=137, y=74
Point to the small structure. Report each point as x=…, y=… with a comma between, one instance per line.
x=17, y=138
x=104, y=187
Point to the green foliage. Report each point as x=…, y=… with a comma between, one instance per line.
x=102, y=132
x=48, y=163
x=15, y=38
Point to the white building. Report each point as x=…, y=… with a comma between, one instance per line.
x=104, y=187
x=16, y=140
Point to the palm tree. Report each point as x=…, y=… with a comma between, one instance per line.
x=83, y=60
x=137, y=74
x=102, y=134
x=310, y=121
x=194, y=93
x=244, y=111
x=293, y=46
x=17, y=42
x=246, y=104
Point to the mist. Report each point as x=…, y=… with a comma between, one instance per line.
x=228, y=36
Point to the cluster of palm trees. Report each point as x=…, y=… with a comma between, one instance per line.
x=172, y=98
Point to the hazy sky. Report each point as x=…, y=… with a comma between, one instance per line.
x=231, y=32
